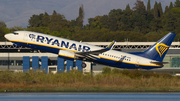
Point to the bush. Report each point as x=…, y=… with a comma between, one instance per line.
x=116, y=71
x=125, y=72
x=106, y=70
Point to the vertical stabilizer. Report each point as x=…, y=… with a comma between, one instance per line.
x=160, y=48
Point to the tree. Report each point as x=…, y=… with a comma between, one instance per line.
x=114, y=16
x=166, y=9
x=36, y=20
x=177, y=3
x=171, y=20
x=57, y=22
x=148, y=6
x=139, y=7
x=149, y=15
x=16, y=28
x=45, y=20
x=54, y=13
x=104, y=22
x=3, y=31
x=81, y=16
x=95, y=22
x=156, y=10
x=155, y=25
x=127, y=7
x=2, y=24
x=139, y=17
x=125, y=20
x=160, y=12
x=170, y=6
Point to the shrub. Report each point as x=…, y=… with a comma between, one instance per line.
x=106, y=70
x=116, y=71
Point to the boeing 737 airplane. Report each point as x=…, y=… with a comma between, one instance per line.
x=69, y=49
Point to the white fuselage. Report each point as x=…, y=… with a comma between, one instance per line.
x=55, y=44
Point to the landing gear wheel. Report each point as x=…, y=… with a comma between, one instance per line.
x=83, y=65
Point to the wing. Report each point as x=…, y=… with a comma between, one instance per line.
x=94, y=54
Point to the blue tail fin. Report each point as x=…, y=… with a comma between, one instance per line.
x=160, y=48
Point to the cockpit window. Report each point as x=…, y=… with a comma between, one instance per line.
x=15, y=33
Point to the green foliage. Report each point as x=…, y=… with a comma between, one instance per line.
x=171, y=20
x=76, y=81
x=160, y=11
x=177, y=3
x=138, y=74
x=81, y=16
x=153, y=36
x=117, y=25
x=16, y=28
x=2, y=24
x=135, y=74
x=36, y=20
x=148, y=6
x=170, y=6
x=155, y=10
x=128, y=7
x=116, y=71
x=139, y=7
x=3, y=31
x=106, y=70
x=166, y=9
x=6, y=76
x=106, y=35
x=132, y=73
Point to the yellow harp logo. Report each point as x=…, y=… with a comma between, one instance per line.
x=161, y=48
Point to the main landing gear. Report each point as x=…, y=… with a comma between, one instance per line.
x=83, y=65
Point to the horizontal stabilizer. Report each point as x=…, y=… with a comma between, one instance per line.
x=159, y=63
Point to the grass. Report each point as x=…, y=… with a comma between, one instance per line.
x=110, y=80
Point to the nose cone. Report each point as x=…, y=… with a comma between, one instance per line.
x=8, y=36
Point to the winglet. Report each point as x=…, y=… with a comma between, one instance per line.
x=110, y=46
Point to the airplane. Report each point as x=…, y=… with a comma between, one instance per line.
x=73, y=50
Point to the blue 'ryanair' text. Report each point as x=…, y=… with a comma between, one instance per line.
x=58, y=43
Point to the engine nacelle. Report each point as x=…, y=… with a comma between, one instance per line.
x=68, y=54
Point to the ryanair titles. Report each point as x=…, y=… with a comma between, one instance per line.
x=59, y=43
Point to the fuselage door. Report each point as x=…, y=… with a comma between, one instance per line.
x=26, y=37
x=137, y=62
